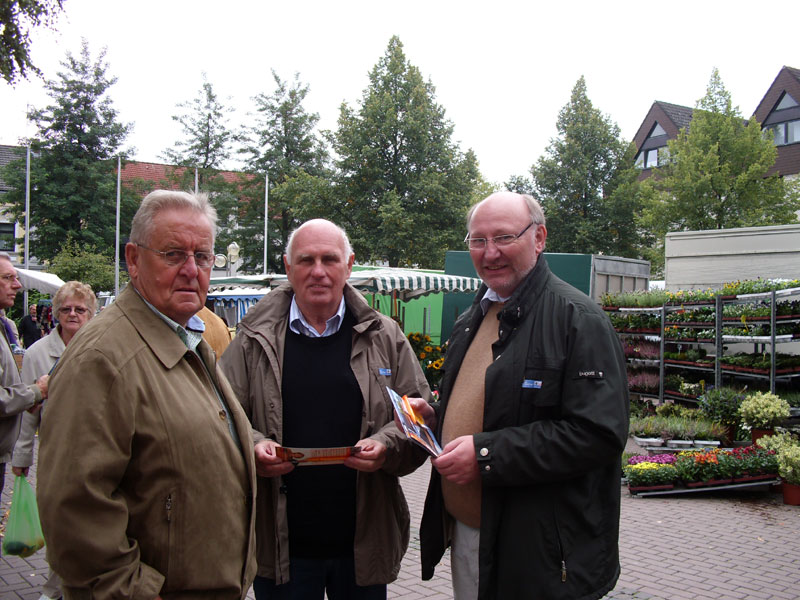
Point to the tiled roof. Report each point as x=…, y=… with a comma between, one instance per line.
x=160, y=174
x=679, y=115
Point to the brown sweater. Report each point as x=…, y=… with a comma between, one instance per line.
x=464, y=416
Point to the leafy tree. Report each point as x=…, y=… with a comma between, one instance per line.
x=283, y=144
x=18, y=18
x=73, y=177
x=586, y=183
x=404, y=185
x=717, y=174
x=207, y=143
x=85, y=264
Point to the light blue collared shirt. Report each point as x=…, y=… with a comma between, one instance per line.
x=489, y=297
x=298, y=323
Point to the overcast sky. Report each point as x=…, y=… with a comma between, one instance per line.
x=502, y=70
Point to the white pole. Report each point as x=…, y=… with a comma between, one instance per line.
x=27, y=218
x=116, y=236
x=266, y=219
x=195, y=180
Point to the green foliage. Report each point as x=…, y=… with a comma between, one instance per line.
x=85, y=264
x=206, y=142
x=283, y=144
x=18, y=19
x=763, y=410
x=405, y=186
x=430, y=356
x=789, y=464
x=587, y=184
x=716, y=176
x=647, y=474
x=721, y=404
x=73, y=171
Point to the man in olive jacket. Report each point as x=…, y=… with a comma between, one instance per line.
x=310, y=364
x=146, y=478
x=533, y=417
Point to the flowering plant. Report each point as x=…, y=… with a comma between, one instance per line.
x=650, y=473
x=789, y=464
x=753, y=460
x=430, y=356
x=662, y=459
x=699, y=466
x=763, y=410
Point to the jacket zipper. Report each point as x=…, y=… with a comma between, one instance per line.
x=169, y=508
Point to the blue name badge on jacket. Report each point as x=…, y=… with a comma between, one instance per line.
x=386, y=372
x=532, y=384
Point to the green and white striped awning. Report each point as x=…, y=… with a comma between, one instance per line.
x=405, y=283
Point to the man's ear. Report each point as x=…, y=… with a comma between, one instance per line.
x=350, y=262
x=132, y=259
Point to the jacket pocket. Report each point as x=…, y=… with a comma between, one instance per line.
x=540, y=389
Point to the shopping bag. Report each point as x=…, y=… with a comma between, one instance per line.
x=23, y=530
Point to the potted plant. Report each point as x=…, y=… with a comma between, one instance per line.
x=650, y=476
x=721, y=404
x=762, y=411
x=789, y=470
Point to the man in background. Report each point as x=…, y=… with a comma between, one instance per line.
x=29, y=327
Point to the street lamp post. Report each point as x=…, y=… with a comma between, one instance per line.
x=233, y=256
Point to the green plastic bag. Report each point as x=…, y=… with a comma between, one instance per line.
x=23, y=530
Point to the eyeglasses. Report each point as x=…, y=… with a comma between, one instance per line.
x=79, y=310
x=499, y=240
x=9, y=278
x=176, y=258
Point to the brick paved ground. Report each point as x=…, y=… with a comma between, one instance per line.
x=713, y=546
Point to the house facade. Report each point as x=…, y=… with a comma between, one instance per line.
x=778, y=111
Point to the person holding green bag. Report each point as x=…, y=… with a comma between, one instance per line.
x=15, y=396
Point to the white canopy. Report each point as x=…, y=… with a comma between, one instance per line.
x=47, y=283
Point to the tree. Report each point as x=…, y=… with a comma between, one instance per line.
x=73, y=177
x=18, y=18
x=283, y=144
x=404, y=185
x=586, y=183
x=85, y=264
x=716, y=177
x=207, y=143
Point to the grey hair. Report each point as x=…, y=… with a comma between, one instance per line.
x=158, y=200
x=6, y=257
x=534, y=208
x=348, y=249
x=75, y=289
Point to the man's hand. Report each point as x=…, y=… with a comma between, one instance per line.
x=370, y=458
x=457, y=461
x=20, y=471
x=41, y=383
x=268, y=464
x=423, y=409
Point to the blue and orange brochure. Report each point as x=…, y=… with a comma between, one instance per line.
x=413, y=425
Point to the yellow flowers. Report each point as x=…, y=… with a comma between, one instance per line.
x=430, y=357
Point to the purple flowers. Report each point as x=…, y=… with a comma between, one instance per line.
x=661, y=459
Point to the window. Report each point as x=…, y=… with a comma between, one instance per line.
x=657, y=130
x=785, y=133
x=654, y=157
x=7, y=237
x=786, y=102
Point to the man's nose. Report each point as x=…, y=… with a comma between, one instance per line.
x=190, y=268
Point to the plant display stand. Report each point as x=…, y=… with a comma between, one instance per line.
x=681, y=489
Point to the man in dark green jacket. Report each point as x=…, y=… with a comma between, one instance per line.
x=533, y=417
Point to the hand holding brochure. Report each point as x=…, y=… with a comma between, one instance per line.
x=413, y=425
x=304, y=457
